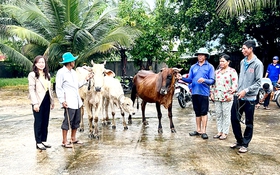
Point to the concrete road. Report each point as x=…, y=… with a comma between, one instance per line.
x=136, y=151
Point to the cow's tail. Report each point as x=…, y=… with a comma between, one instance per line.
x=134, y=95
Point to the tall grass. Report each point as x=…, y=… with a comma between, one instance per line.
x=13, y=82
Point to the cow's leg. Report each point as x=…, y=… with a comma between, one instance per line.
x=97, y=111
x=113, y=114
x=159, y=114
x=105, y=120
x=81, y=129
x=123, y=118
x=129, y=119
x=88, y=107
x=90, y=119
x=170, y=119
x=143, y=107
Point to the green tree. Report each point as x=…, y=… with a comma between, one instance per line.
x=196, y=24
x=148, y=46
x=50, y=27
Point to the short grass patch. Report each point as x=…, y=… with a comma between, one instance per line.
x=8, y=82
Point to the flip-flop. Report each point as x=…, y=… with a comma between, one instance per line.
x=223, y=137
x=67, y=145
x=217, y=136
x=77, y=142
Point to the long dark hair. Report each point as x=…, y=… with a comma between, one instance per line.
x=45, y=70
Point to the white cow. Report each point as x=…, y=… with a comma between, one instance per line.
x=92, y=95
x=85, y=93
x=113, y=95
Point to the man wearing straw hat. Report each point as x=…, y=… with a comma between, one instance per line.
x=67, y=87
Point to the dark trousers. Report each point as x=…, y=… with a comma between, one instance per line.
x=266, y=100
x=238, y=108
x=41, y=120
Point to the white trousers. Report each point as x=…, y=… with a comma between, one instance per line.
x=223, y=112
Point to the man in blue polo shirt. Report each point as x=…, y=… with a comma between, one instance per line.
x=273, y=71
x=201, y=76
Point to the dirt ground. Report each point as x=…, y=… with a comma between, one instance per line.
x=138, y=150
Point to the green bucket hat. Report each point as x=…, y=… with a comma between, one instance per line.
x=203, y=51
x=68, y=57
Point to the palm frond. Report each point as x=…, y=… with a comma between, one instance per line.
x=31, y=50
x=72, y=11
x=239, y=7
x=26, y=34
x=98, y=48
x=12, y=11
x=82, y=39
x=33, y=14
x=15, y=56
x=55, y=12
x=90, y=14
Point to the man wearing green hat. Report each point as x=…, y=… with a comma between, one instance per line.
x=67, y=87
x=201, y=76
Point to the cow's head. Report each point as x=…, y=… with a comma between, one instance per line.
x=98, y=71
x=127, y=105
x=167, y=78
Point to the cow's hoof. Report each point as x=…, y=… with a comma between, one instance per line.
x=96, y=136
x=108, y=123
x=103, y=124
x=114, y=127
x=146, y=123
x=173, y=130
x=125, y=128
x=91, y=136
x=81, y=130
x=130, y=122
x=160, y=131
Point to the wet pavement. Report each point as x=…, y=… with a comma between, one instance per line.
x=138, y=150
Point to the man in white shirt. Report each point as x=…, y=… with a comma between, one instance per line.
x=67, y=87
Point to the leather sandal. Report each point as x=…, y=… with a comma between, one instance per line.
x=204, y=136
x=195, y=133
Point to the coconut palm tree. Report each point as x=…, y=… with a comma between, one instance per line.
x=52, y=27
x=239, y=7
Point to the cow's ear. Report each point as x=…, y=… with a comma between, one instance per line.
x=162, y=69
x=109, y=73
x=121, y=98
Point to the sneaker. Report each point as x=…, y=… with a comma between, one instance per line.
x=243, y=149
x=235, y=145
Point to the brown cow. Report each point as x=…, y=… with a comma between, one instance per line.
x=155, y=88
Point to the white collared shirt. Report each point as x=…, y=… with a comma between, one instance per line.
x=67, y=88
